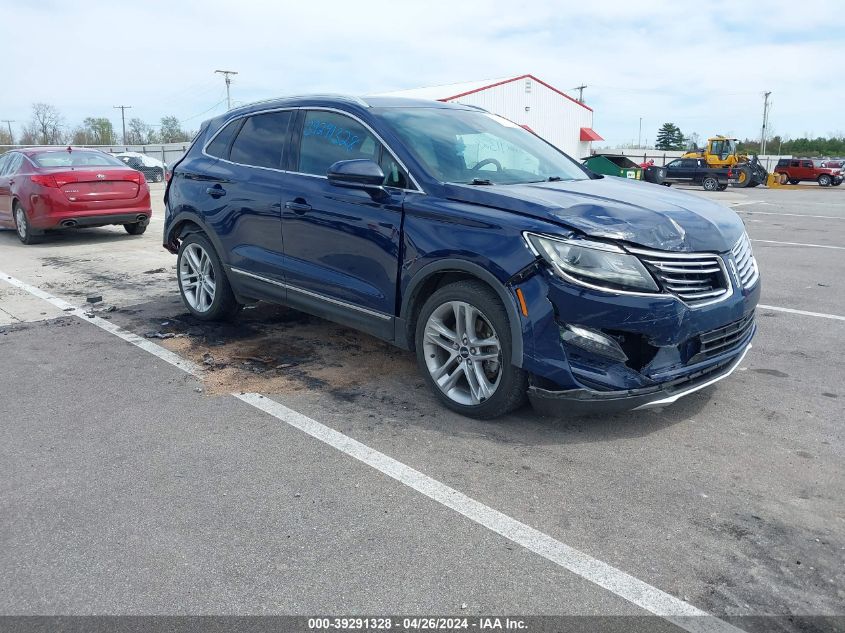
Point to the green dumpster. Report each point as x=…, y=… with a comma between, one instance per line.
x=613, y=165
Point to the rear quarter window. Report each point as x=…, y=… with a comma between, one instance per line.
x=219, y=147
x=262, y=139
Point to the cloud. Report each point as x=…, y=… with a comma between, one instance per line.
x=703, y=67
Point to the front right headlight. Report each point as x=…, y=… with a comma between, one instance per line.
x=593, y=263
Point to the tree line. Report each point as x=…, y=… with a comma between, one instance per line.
x=670, y=137
x=47, y=126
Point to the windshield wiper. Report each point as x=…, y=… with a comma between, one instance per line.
x=481, y=181
x=553, y=179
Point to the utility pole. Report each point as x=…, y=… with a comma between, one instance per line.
x=123, y=109
x=640, y=135
x=227, y=77
x=580, y=90
x=765, y=122
x=9, y=123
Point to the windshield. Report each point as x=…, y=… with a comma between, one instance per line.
x=468, y=146
x=76, y=158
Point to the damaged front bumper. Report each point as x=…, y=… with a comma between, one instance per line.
x=589, y=351
x=582, y=400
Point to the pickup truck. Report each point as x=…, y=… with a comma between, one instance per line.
x=694, y=171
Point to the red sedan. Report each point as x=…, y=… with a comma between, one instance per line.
x=43, y=189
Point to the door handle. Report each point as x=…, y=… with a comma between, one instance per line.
x=297, y=207
x=216, y=191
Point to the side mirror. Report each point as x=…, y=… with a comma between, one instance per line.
x=361, y=173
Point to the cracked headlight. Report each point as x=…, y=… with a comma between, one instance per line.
x=593, y=264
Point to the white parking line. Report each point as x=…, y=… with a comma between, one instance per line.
x=108, y=326
x=635, y=591
x=821, y=315
x=838, y=248
x=794, y=215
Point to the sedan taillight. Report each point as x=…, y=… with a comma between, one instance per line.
x=45, y=180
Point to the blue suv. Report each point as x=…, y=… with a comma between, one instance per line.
x=507, y=267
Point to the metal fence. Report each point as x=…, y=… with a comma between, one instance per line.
x=168, y=153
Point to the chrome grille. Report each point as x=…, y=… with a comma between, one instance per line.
x=746, y=265
x=722, y=339
x=694, y=278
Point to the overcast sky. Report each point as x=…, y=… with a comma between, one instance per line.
x=701, y=65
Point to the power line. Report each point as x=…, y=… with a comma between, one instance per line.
x=123, y=109
x=227, y=77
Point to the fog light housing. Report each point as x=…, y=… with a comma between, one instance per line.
x=593, y=341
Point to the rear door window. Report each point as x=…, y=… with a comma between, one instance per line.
x=219, y=147
x=262, y=140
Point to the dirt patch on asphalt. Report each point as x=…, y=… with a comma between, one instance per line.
x=273, y=349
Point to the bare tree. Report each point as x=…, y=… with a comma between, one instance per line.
x=139, y=133
x=47, y=124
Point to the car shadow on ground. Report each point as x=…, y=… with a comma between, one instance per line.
x=295, y=357
x=70, y=237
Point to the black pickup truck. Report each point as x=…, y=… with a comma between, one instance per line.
x=694, y=171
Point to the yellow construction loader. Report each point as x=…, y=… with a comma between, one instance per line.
x=721, y=153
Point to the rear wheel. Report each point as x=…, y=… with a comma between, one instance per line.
x=710, y=183
x=794, y=181
x=463, y=347
x=136, y=228
x=24, y=230
x=203, y=283
x=824, y=180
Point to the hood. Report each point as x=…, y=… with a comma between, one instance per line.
x=641, y=213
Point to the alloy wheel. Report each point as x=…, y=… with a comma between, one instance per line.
x=196, y=276
x=463, y=353
x=20, y=222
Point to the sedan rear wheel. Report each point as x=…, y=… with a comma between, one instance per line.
x=22, y=227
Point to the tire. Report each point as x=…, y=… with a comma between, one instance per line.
x=743, y=178
x=666, y=184
x=196, y=264
x=157, y=176
x=136, y=228
x=22, y=227
x=486, y=384
x=710, y=183
x=722, y=187
x=794, y=181
x=824, y=180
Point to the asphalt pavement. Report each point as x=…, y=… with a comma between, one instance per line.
x=132, y=487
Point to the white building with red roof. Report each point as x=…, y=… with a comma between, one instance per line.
x=531, y=102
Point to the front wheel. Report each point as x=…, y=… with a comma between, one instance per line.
x=722, y=187
x=824, y=180
x=158, y=176
x=463, y=347
x=203, y=284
